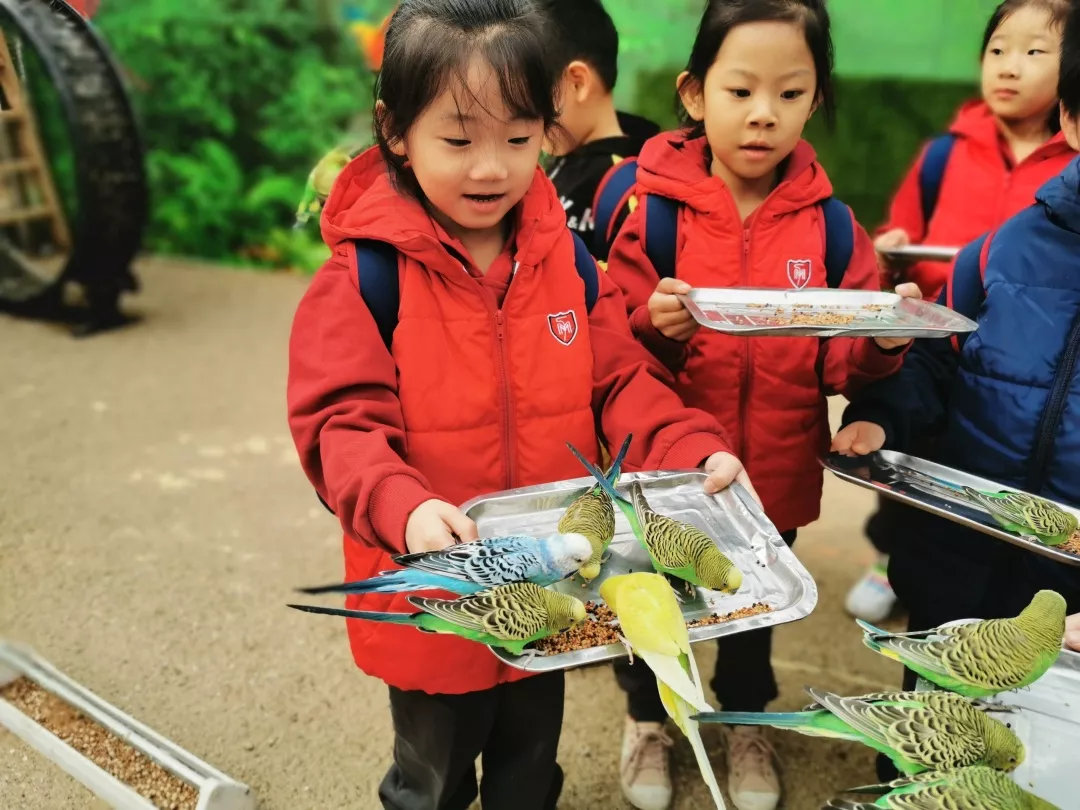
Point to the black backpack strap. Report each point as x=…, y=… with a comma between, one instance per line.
x=839, y=240
x=377, y=276
x=586, y=268
x=932, y=172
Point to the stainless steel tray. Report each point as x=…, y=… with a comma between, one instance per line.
x=872, y=472
x=771, y=572
x=933, y=253
x=1046, y=718
x=762, y=312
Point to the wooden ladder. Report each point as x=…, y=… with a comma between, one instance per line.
x=27, y=191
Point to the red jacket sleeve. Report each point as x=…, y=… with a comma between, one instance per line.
x=906, y=209
x=632, y=393
x=631, y=270
x=344, y=413
x=848, y=364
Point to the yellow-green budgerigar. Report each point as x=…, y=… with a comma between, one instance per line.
x=507, y=616
x=1017, y=512
x=918, y=731
x=975, y=788
x=675, y=548
x=320, y=181
x=593, y=515
x=654, y=629
x=982, y=658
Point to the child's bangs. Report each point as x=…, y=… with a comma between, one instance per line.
x=519, y=64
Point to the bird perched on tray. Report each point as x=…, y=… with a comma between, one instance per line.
x=982, y=658
x=675, y=548
x=506, y=616
x=975, y=788
x=467, y=568
x=1018, y=512
x=592, y=515
x=918, y=731
x=653, y=628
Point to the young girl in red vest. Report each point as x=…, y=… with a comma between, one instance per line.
x=998, y=152
x=495, y=361
x=749, y=193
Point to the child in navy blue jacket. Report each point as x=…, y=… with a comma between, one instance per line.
x=1005, y=402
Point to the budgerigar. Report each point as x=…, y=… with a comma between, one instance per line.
x=655, y=630
x=976, y=788
x=1017, y=512
x=320, y=181
x=468, y=568
x=918, y=731
x=982, y=658
x=675, y=548
x=507, y=616
x=593, y=515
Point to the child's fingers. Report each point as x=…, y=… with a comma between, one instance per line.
x=667, y=319
x=457, y=522
x=672, y=286
x=665, y=303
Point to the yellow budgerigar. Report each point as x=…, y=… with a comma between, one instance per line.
x=653, y=628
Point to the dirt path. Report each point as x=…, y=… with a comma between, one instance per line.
x=153, y=521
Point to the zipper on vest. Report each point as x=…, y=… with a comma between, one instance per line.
x=1055, y=405
x=744, y=390
x=504, y=392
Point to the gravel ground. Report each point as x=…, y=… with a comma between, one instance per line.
x=153, y=521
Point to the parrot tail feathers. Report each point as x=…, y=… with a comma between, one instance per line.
x=792, y=720
x=670, y=671
x=370, y=615
x=386, y=582
x=680, y=712
x=616, y=465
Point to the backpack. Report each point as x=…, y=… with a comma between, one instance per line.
x=932, y=172
x=613, y=203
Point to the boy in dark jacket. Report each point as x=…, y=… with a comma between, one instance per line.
x=595, y=137
x=1005, y=401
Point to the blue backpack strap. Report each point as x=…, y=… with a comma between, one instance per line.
x=587, y=270
x=611, y=198
x=661, y=233
x=932, y=171
x=377, y=276
x=966, y=288
x=839, y=240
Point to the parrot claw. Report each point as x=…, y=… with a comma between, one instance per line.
x=629, y=649
x=528, y=657
x=605, y=557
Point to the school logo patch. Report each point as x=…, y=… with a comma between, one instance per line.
x=563, y=326
x=798, y=272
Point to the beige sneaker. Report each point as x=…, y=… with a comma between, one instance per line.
x=645, y=780
x=753, y=783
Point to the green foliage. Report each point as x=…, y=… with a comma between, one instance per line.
x=237, y=102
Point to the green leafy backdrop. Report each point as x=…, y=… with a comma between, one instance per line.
x=239, y=98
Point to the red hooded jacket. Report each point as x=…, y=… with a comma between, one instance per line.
x=768, y=392
x=981, y=188
x=473, y=397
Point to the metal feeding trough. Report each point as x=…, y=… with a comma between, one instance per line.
x=216, y=791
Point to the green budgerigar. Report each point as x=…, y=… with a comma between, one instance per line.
x=653, y=627
x=982, y=658
x=592, y=515
x=320, y=181
x=976, y=788
x=675, y=548
x=507, y=616
x=1018, y=512
x=918, y=731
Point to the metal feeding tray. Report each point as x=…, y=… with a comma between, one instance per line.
x=771, y=573
x=765, y=312
x=1046, y=718
x=915, y=253
x=884, y=472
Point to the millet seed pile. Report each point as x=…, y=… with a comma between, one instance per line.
x=98, y=745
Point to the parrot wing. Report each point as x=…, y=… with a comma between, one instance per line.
x=671, y=672
x=509, y=613
x=491, y=562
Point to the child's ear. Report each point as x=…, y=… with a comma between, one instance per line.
x=579, y=80
x=382, y=120
x=692, y=96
